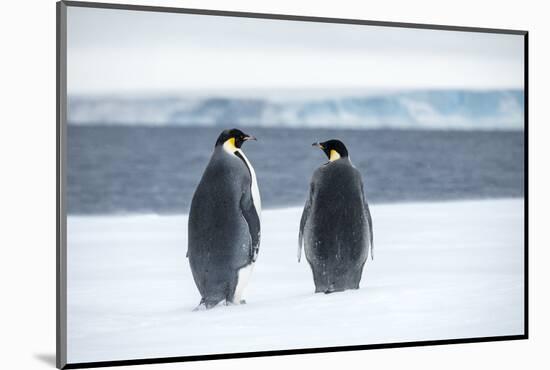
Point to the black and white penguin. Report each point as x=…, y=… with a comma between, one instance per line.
x=224, y=223
x=336, y=225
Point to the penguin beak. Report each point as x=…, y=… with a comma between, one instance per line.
x=247, y=138
x=317, y=145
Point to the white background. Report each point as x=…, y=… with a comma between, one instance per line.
x=27, y=196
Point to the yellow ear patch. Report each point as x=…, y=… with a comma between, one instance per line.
x=334, y=155
x=230, y=144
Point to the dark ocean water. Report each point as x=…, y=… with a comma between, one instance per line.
x=117, y=169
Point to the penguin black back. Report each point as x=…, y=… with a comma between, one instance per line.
x=336, y=227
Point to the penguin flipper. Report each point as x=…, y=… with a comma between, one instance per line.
x=371, y=236
x=253, y=220
x=369, y=221
x=305, y=215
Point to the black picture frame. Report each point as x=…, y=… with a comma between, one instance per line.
x=61, y=214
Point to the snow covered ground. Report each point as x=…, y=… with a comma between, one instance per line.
x=441, y=270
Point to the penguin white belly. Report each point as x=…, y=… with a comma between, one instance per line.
x=254, y=186
x=242, y=281
x=243, y=275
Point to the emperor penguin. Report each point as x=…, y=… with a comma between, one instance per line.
x=336, y=224
x=224, y=223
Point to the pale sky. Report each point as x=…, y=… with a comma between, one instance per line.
x=122, y=51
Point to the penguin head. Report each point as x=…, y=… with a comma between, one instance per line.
x=233, y=138
x=334, y=149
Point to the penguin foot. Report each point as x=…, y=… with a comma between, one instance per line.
x=206, y=305
x=333, y=289
x=242, y=301
x=200, y=307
